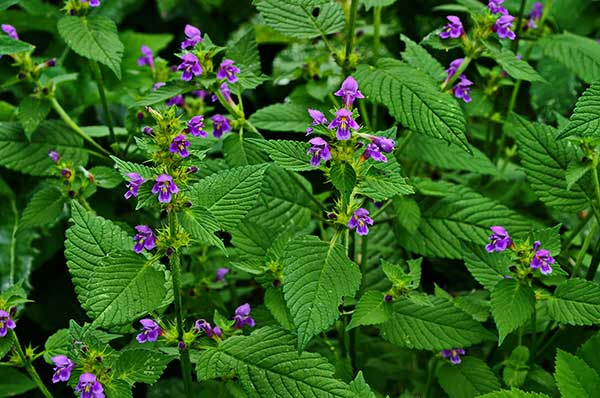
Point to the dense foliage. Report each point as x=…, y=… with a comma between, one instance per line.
x=299, y=198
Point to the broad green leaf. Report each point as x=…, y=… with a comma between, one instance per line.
x=579, y=54
x=241, y=151
x=13, y=382
x=44, y=208
x=360, y=387
x=202, y=225
x=549, y=238
x=487, y=268
x=57, y=344
x=316, y=275
x=417, y=57
x=125, y=168
x=471, y=378
x=585, y=121
x=16, y=250
x=229, y=194
x=290, y=155
x=4, y=4
x=516, y=68
x=407, y=213
x=414, y=100
x=545, y=160
x=282, y=117
x=576, y=302
x=31, y=112
x=171, y=89
x=589, y=352
x=516, y=367
x=244, y=51
x=343, y=178
x=513, y=303
x=384, y=181
x=106, y=177
x=372, y=309
x=31, y=157
x=514, y=393
x=275, y=302
x=432, y=327
x=299, y=21
x=12, y=46
x=574, y=377
x=141, y=365
x=268, y=365
x=95, y=38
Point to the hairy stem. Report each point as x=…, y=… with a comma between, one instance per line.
x=100, y=82
x=350, y=36
x=175, y=263
x=29, y=366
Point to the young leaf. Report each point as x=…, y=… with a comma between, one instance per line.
x=414, y=100
x=290, y=155
x=372, y=309
x=471, y=378
x=516, y=367
x=580, y=54
x=517, y=68
x=281, y=117
x=513, y=303
x=202, y=225
x=316, y=275
x=44, y=208
x=585, y=121
x=141, y=365
x=95, y=38
x=417, y=57
x=487, y=268
x=574, y=377
x=244, y=51
x=576, y=302
x=11, y=46
x=31, y=112
x=343, y=178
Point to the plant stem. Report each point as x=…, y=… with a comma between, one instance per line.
x=350, y=36
x=174, y=261
x=407, y=137
x=430, y=369
x=100, y=82
x=29, y=366
x=591, y=274
x=376, y=31
x=569, y=239
x=584, y=248
x=365, y=115
x=515, y=44
x=13, y=242
x=69, y=122
x=533, y=334
x=448, y=82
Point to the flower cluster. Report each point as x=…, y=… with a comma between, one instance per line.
x=88, y=386
x=537, y=10
x=503, y=25
x=462, y=89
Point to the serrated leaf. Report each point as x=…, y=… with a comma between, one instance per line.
x=471, y=378
x=589, y=352
x=316, y=276
x=417, y=57
x=383, y=184
x=516, y=68
x=432, y=327
x=514, y=393
x=343, y=178
x=579, y=54
x=275, y=303
x=14, y=383
x=545, y=161
x=281, y=117
x=241, y=151
x=244, y=51
x=141, y=365
x=171, y=89
x=407, y=212
x=574, y=377
x=413, y=100
x=372, y=309
x=31, y=157
x=576, y=302
x=585, y=121
x=269, y=365
x=44, y=208
x=4, y=4
x=290, y=155
x=106, y=177
x=549, y=238
x=360, y=387
x=516, y=367
x=132, y=41
x=487, y=268
x=95, y=38
x=31, y=112
x=513, y=303
x=202, y=225
x=124, y=167
x=298, y=21
x=12, y=46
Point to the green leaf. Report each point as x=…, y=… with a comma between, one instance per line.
x=290, y=155
x=171, y=89
x=141, y=365
x=13, y=382
x=202, y=225
x=124, y=168
x=44, y=208
x=579, y=54
x=4, y=4
x=549, y=237
x=343, y=178
x=244, y=51
x=106, y=177
x=414, y=100
x=95, y=38
x=57, y=344
x=316, y=276
x=576, y=302
x=132, y=41
x=471, y=378
x=268, y=365
x=516, y=68
x=432, y=327
x=514, y=393
x=487, y=268
x=275, y=303
x=298, y=21
x=376, y=3
x=512, y=305
x=31, y=112
x=31, y=157
x=241, y=151
x=360, y=387
x=372, y=309
x=407, y=213
x=229, y=194
x=589, y=352
x=574, y=377
x=417, y=57
x=384, y=182
x=281, y=117
x=516, y=368
x=585, y=121
x=12, y=46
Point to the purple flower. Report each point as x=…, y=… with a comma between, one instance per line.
x=220, y=274
x=317, y=119
x=144, y=239
x=148, y=131
x=359, y=220
x=454, y=29
x=150, y=331
x=62, y=368
x=55, y=156
x=220, y=125
x=201, y=324
x=93, y=3
x=6, y=323
x=135, y=181
x=454, y=65
x=454, y=355
x=349, y=91
x=319, y=151
x=193, y=36
x=164, y=187
x=200, y=94
x=196, y=125
x=179, y=145
x=495, y=7
x=503, y=27
x=535, y=15
x=499, y=240
x=88, y=386
x=377, y=145
x=51, y=63
x=66, y=173
x=158, y=85
x=462, y=89
x=147, y=57
x=176, y=100
x=10, y=31
x=228, y=71
x=226, y=92
x=190, y=67
x=242, y=317
x=343, y=122
x=542, y=260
